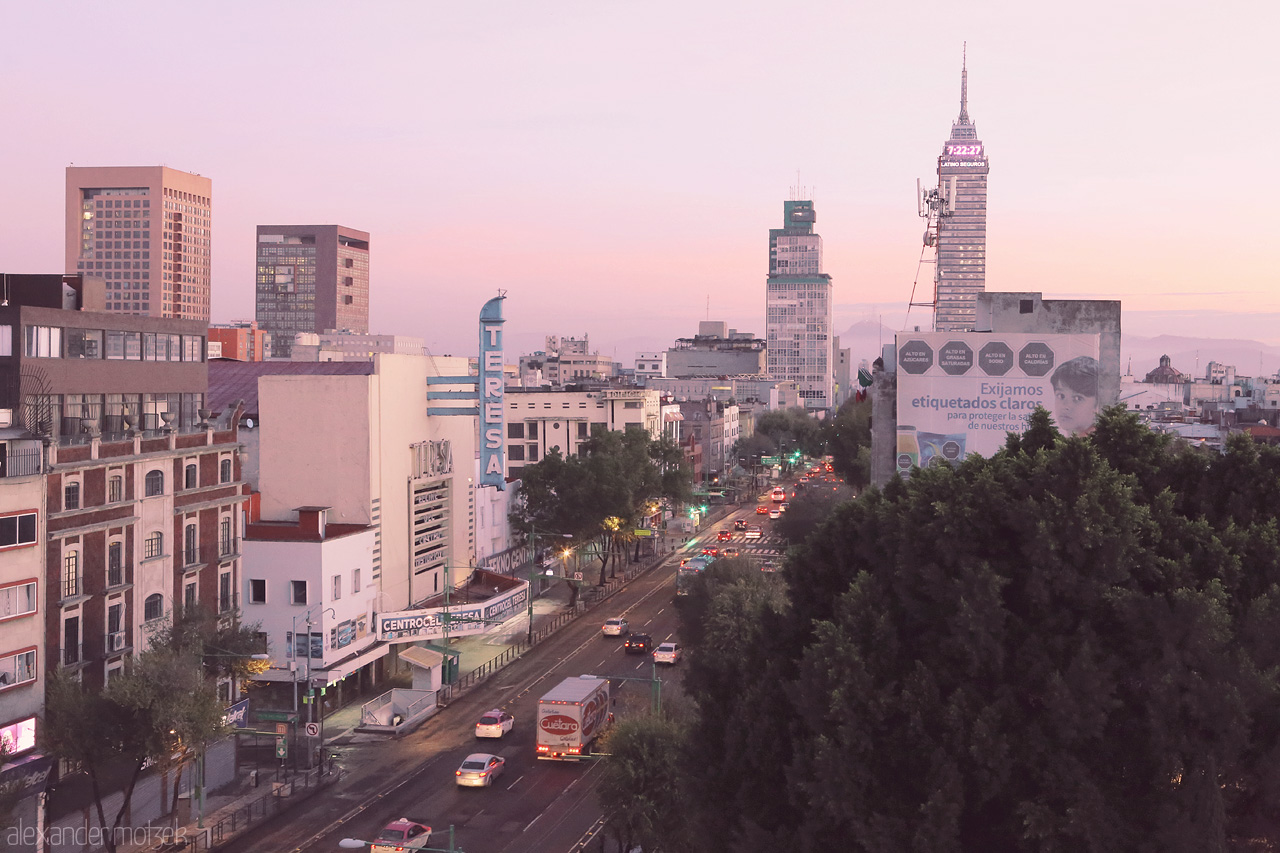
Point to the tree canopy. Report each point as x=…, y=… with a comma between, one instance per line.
x=598, y=495
x=1071, y=645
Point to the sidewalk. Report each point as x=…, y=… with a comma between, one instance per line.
x=229, y=812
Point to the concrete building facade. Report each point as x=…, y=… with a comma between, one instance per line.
x=961, y=269
x=798, y=308
x=146, y=231
x=716, y=350
x=311, y=278
x=541, y=421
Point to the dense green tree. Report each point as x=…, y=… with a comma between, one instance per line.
x=729, y=624
x=848, y=441
x=1072, y=645
x=598, y=496
x=809, y=509
x=160, y=708
x=641, y=788
x=792, y=429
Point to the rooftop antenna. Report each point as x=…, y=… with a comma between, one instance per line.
x=4, y=303
x=964, y=84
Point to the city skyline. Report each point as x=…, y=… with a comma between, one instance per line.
x=601, y=164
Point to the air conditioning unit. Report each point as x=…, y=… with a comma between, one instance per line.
x=115, y=642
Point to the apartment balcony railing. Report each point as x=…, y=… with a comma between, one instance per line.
x=71, y=655
x=226, y=549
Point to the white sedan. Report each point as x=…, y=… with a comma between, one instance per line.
x=479, y=769
x=495, y=723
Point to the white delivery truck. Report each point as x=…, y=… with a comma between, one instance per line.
x=571, y=716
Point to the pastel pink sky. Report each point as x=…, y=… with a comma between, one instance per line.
x=615, y=167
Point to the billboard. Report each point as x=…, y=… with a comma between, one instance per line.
x=433, y=623
x=961, y=392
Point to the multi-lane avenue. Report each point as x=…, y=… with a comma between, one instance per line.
x=534, y=805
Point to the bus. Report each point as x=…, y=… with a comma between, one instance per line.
x=689, y=570
x=778, y=495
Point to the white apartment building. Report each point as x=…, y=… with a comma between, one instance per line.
x=364, y=447
x=650, y=365
x=540, y=421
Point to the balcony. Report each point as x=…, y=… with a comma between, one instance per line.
x=71, y=655
x=203, y=555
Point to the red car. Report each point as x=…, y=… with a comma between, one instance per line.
x=762, y=510
x=711, y=552
x=724, y=536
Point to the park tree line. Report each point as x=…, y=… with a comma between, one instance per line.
x=594, y=501
x=161, y=708
x=1071, y=645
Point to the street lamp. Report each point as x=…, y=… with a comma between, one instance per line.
x=533, y=565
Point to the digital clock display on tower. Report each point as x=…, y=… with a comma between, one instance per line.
x=964, y=150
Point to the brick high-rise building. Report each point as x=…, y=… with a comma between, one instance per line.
x=145, y=230
x=798, y=306
x=311, y=278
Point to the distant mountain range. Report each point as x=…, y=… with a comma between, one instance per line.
x=1138, y=355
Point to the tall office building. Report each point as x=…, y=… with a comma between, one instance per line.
x=146, y=230
x=961, y=272
x=798, y=303
x=311, y=278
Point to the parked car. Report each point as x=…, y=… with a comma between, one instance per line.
x=617, y=626
x=740, y=524
x=724, y=535
x=402, y=834
x=667, y=653
x=638, y=644
x=479, y=769
x=754, y=533
x=495, y=723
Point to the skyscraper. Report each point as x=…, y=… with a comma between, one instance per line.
x=961, y=272
x=798, y=307
x=146, y=230
x=311, y=278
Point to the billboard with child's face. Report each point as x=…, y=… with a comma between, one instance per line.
x=962, y=392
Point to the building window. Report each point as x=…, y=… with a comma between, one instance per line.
x=17, y=668
x=192, y=476
x=115, y=564
x=515, y=430
x=516, y=453
x=257, y=591
x=582, y=429
x=153, y=607
x=225, y=545
x=71, y=574
x=18, y=600
x=17, y=529
x=115, y=489
x=298, y=592
x=189, y=547
x=224, y=592
x=533, y=430
x=533, y=453
x=43, y=342
x=153, y=545
x=224, y=471
x=337, y=587
x=71, y=495
x=155, y=483
x=115, y=628
x=189, y=598
x=355, y=580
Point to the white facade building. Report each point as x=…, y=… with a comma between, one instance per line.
x=798, y=308
x=312, y=578
x=364, y=446
x=650, y=365
x=539, y=421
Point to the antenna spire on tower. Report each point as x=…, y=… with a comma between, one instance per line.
x=964, y=84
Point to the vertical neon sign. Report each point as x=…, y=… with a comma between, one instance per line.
x=492, y=416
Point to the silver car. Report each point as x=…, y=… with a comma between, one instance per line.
x=479, y=769
x=614, y=627
x=667, y=653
